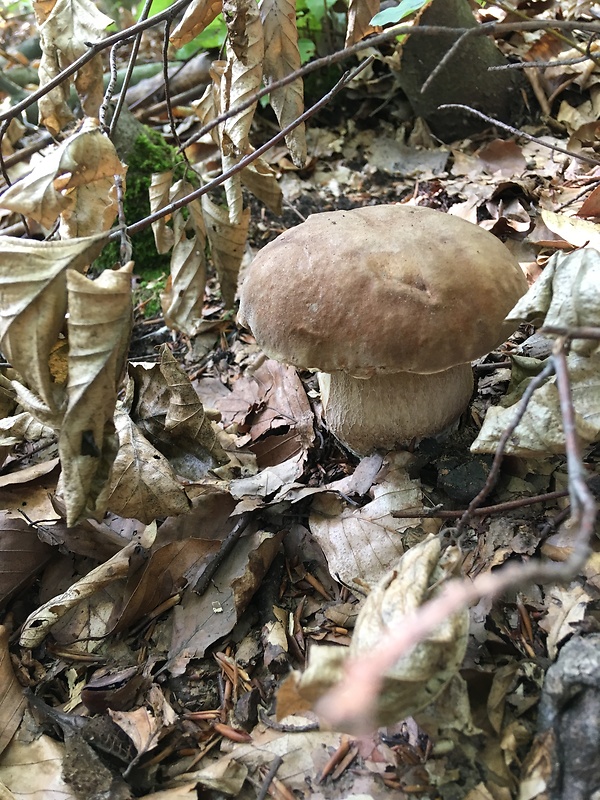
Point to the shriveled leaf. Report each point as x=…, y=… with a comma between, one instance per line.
x=13, y=702
x=168, y=411
x=567, y=294
x=360, y=13
x=22, y=555
x=38, y=625
x=160, y=187
x=183, y=299
x=99, y=328
x=262, y=182
x=64, y=31
x=23, y=428
x=200, y=621
x=282, y=57
x=75, y=182
x=198, y=15
x=34, y=303
x=362, y=544
x=419, y=676
x=146, y=726
x=227, y=242
x=142, y=483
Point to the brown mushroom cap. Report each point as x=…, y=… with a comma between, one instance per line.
x=381, y=289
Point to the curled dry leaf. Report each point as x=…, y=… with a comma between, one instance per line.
x=75, y=182
x=99, y=328
x=32, y=314
x=360, y=14
x=38, y=625
x=241, y=80
x=567, y=294
x=170, y=414
x=198, y=15
x=281, y=58
x=227, y=242
x=65, y=27
x=262, y=182
x=420, y=675
x=142, y=483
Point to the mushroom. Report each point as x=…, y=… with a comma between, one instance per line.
x=391, y=303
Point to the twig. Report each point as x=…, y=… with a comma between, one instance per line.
x=483, y=511
x=518, y=132
x=572, y=333
x=248, y=159
x=226, y=547
x=268, y=780
x=129, y=71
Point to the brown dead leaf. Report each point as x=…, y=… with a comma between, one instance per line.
x=33, y=285
x=168, y=571
x=171, y=416
x=31, y=769
x=37, y=625
x=360, y=14
x=362, y=544
x=99, y=328
x=142, y=483
x=146, y=726
x=13, y=702
x=227, y=242
x=64, y=28
x=75, y=182
x=198, y=15
x=200, y=621
x=23, y=555
x=281, y=58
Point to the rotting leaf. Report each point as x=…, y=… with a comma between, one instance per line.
x=13, y=702
x=23, y=555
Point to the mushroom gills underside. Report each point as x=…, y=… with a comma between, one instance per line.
x=392, y=408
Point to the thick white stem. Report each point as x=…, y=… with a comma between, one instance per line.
x=393, y=408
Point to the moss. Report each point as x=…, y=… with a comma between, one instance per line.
x=149, y=154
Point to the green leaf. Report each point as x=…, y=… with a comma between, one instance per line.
x=390, y=16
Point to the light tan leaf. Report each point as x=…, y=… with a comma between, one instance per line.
x=99, y=328
x=183, y=299
x=142, y=483
x=227, y=242
x=360, y=545
x=360, y=14
x=282, y=57
x=241, y=79
x=64, y=30
x=198, y=15
x=260, y=178
x=32, y=770
x=38, y=625
x=13, y=702
x=34, y=303
x=160, y=187
x=76, y=182
x=146, y=726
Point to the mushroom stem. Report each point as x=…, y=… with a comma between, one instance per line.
x=392, y=408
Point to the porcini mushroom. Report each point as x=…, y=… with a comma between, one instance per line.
x=392, y=303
